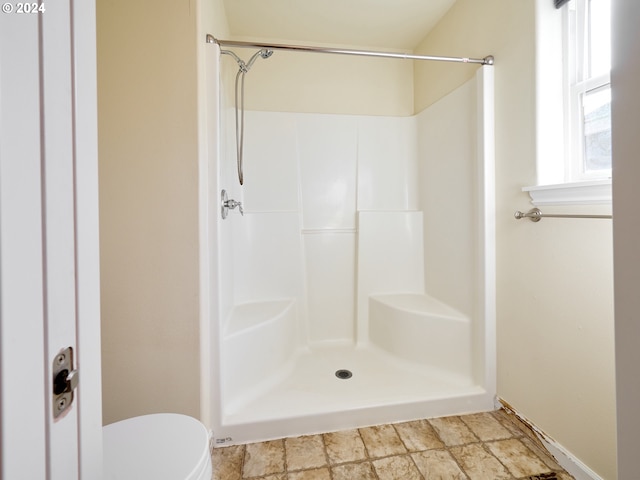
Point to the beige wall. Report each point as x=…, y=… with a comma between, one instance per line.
x=554, y=291
x=321, y=83
x=213, y=19
x=148, y=206
x=456, y=35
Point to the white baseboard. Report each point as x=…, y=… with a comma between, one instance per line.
x=568, y=461
x=564, y=457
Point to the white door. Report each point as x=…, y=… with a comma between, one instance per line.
x=49, y=277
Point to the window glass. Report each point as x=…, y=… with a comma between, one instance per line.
x=589, y=106
x=597, y=130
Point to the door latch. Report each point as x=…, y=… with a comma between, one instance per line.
x=65, y=381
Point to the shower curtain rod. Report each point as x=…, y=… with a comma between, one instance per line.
x=340, y=51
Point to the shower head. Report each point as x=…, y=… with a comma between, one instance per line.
x=264, y=53
x=244, y=67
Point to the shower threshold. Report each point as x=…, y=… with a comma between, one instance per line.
x=307, y=397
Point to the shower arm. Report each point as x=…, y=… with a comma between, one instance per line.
x=239, y=61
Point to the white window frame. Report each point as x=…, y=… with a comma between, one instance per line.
x=556, y=184
x=576, y=84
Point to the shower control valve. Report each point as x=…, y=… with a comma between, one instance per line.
x=227, y=204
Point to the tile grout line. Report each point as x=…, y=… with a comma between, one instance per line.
x=408, y=452
x=244, y=459
x=367, y=459
x=460, y=466
x=447, y=449
x=326, y=456
x=551, y=470
x=485, y=445
x=284, y=455
x=539, y=451
x=486, y=448
x=366, y=450
x=368, y=455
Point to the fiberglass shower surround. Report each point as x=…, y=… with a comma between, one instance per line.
x=358, y=286
x=266, y=50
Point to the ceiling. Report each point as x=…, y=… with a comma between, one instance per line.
x=386, y=24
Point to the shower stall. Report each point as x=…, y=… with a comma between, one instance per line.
x=351, y=281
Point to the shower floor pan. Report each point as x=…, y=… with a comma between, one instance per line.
x=307, y=397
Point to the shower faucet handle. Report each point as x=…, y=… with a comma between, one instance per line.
x=228, y=204
x=231, y=204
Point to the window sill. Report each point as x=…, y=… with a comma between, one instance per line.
x=595, y=192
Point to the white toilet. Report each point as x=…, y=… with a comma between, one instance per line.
x=164, y=446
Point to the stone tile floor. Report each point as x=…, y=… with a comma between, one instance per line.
x=483, y=446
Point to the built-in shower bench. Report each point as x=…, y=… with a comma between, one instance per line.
x=420, y=328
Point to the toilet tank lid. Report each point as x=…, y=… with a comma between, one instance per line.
x=163, y=446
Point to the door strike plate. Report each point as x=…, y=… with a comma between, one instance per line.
x=64, y=381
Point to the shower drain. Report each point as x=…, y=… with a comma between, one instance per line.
x=343, y=374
